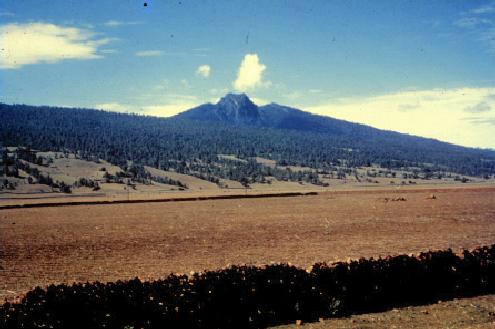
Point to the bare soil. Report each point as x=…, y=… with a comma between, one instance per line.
x=466, y=313
x=40, y=246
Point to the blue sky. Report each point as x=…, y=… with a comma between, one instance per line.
x=420, y=67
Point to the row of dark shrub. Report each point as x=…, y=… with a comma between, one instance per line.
x=169, y=181
x=257, y=297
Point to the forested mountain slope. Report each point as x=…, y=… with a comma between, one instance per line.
x=191, y=142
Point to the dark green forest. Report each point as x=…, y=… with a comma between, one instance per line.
x=132, y=141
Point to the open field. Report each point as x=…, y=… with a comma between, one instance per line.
x=476, y=312
x=39, y=193
x=40, y=246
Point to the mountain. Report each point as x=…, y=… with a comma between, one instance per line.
x=238, y=109
x=233, y=109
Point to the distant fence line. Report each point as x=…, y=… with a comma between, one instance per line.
x=199, y=198
x=258, y=297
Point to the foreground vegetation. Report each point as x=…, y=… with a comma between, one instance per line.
x=257, y=297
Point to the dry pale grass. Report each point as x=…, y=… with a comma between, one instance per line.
x=192, y=183
x=231, y=157
x=69, y=170
x=273, y=164
x=266, y=162
x=285, y=186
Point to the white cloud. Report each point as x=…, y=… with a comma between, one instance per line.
x=6, y=13
x=435, y=113
x=167, y=110
x=482, y=121
x=31, y=43
x=471, y=22
x=204, y=71
x=170, y=105
x=488, y=37
x=250, y=74
x=292, y=96
x=480, y=107
x=481, y=23
x=156, y=52
x=115, y=23
x=256, y=100
x=114, y=106
x=487, y=9
x=259, y=101
x=408, y=107
x=149, y=53
x=218, y=91
x=109, y=51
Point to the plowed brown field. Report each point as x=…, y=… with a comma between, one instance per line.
x=465, y=313
x=39, y=246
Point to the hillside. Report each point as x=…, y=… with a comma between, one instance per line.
x=191, y=143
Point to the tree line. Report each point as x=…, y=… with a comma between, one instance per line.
x=192, y=147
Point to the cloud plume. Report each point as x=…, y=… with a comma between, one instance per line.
x=204, y=71
x=250, y=74
x=32, y=43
